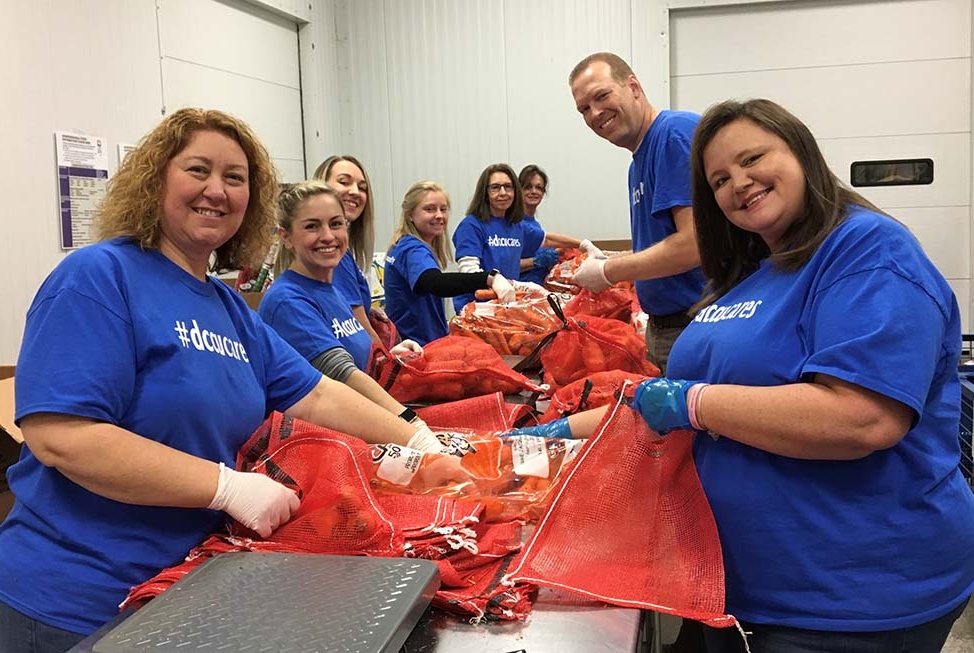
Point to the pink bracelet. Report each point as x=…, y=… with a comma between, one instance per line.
x=693, y=405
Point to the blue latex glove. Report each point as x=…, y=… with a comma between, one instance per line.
x=663, y=403
x=545, y=258
x=556, y=429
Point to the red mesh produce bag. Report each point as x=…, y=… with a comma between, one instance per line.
x=630, y=525
x=592, y=391
x=560, y=275
x=450, y=368
x=340, y=514
x=386, y=330
x=615, y=303
x=589, y=344
x=511, y=329
x=511, y=476
x=484, y=413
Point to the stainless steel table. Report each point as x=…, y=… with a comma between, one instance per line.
x=556, y=624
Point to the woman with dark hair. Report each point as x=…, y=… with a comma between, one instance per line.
x=825, y=392
x=536, y=264
x=492, y=236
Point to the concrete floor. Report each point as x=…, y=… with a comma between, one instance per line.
x=961, y=638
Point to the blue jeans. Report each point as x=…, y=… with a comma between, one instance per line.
x=21, y=634
x=925, y=638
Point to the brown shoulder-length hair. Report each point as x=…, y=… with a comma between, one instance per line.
x=132, y=206
x=480, y=203
x=361, y=232
x=442, y=249
x=527, y=174
x=728, y=254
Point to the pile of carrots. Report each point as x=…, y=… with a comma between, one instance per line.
x=559, y=278
x=511, y=329
x=512, y=476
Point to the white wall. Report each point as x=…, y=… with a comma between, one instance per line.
x=874, y=80
x=112, y=68
x=439, y=89
x=86, y=66
x=416, y=88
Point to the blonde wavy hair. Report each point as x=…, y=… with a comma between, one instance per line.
x=442, y=249
x=132, y=206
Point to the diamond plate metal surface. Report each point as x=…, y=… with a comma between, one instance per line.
x=283, y=602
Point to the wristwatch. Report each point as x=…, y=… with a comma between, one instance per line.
x=408, y=415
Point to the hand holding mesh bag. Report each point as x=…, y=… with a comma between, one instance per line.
x=665, y=403
x=256, y=501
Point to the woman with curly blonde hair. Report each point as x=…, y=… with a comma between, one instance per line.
x=131, y=206
x=132, y=429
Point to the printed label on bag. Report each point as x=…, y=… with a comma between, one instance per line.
x=397, y=464
x=530, y=455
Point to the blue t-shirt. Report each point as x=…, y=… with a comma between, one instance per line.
x=497, y=244
x=659, y=180
x=878, y=543
x=417, y=316
x=534, y=238
x=313, y=317
x=125, y=336
x=351, y=283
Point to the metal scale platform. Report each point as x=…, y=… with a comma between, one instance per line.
x=282, y=603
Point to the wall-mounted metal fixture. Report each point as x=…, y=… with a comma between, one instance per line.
x=892, y=172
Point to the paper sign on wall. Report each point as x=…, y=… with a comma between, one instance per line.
x=123, y=151
x=82, y=163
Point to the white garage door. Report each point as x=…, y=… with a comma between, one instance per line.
x=239, y=58
x=874, y=81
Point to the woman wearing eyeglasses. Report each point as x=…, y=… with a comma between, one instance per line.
x=492, y=236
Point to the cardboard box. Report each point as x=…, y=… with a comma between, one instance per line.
x=253, y=298
x=619, y=245
x=7, y=410
x=11, y=439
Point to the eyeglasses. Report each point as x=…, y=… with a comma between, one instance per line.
x=493, y=189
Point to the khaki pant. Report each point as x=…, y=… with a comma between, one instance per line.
x=659, y=342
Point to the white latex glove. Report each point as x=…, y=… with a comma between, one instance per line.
x=503, y=288
x=425, y=440
x=590, y=249
x=256, y=501
x=529, y=286
x=406, y=347
x=591, y=275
